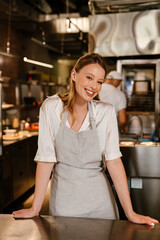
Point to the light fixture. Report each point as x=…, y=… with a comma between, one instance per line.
x=69, y=25
x=25, y=59
x=75, y=25
x=9, y=30
x=67, y=13
x=43, y=37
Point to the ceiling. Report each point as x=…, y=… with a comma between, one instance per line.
x=33, y=16
x=74, y=6
x=30, y=15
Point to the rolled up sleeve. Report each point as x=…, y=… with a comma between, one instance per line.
x=46, y=139
x=112, y=150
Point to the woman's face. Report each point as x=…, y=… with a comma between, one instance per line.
x=88, y=81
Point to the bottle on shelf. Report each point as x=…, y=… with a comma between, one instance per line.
x=15, y=122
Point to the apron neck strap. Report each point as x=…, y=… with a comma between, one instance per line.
x=91, y=117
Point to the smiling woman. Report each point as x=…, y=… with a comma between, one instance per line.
x=79, y=138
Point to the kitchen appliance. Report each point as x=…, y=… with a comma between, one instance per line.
x=141, y=86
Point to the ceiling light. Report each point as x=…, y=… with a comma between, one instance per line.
x=25, y=59
x=9, y=29
x=69, y=26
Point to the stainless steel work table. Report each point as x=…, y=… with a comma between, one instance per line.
x=65, y=228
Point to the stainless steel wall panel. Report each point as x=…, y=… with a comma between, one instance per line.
x=146, y=201
x=141, y=161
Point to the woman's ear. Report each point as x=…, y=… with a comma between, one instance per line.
x=73, y=74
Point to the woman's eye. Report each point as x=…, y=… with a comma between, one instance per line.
x=99, y=82
x=89, y=77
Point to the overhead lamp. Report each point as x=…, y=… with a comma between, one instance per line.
x=67, y=13
x=9, y=30
x=43, y=37
x=25, y=59
x=69, y=26
x=75, y=25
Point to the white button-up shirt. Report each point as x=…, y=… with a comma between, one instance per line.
x=50, y=120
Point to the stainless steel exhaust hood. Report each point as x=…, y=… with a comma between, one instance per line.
x=125, y=34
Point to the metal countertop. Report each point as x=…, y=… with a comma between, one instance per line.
x=66, y=228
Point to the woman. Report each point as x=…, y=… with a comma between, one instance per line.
x=78, y=138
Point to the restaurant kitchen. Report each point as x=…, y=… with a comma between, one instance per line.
x=127, y=43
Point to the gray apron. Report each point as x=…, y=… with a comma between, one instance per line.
x=79, y=187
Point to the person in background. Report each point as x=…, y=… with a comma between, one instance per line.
x=111, y=94
x=78, y=139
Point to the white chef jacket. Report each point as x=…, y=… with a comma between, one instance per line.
x=114, y=96
x=49, y=123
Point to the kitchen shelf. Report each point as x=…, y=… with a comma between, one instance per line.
x=139, y=113
x=23, y=106
x=34, y=92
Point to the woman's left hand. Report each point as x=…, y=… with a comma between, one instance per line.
x=140, y=219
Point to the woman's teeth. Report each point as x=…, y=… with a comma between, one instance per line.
x=89, y=92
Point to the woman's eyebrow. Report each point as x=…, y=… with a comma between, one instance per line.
x=93, y=75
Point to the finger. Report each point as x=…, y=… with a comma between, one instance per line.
x=19, y=214
x=151, y=221
x=155, y=221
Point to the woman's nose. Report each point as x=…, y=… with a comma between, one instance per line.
x=94, y=84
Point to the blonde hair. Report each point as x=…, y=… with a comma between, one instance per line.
x=68, y=99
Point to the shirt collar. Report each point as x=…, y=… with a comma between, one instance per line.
x=86, y=123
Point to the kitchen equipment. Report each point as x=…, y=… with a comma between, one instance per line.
x=142, y=161
x=144, y=100
x=22, y=125
x=127, y=143
x=141, y=86
x=141, y=83
x=29, y=100
x=15, y=122
x=10, y=132
x=11, y=137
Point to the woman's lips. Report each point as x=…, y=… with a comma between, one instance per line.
x=89, y=93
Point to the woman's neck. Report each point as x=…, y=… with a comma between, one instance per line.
x=80, y=105
x=81, y=110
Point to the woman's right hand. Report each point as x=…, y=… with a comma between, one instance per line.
x=25, y=213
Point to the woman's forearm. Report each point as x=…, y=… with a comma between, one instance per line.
x=43, y=173
x=118, y=175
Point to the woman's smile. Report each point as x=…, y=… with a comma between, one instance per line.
x=90, y=93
